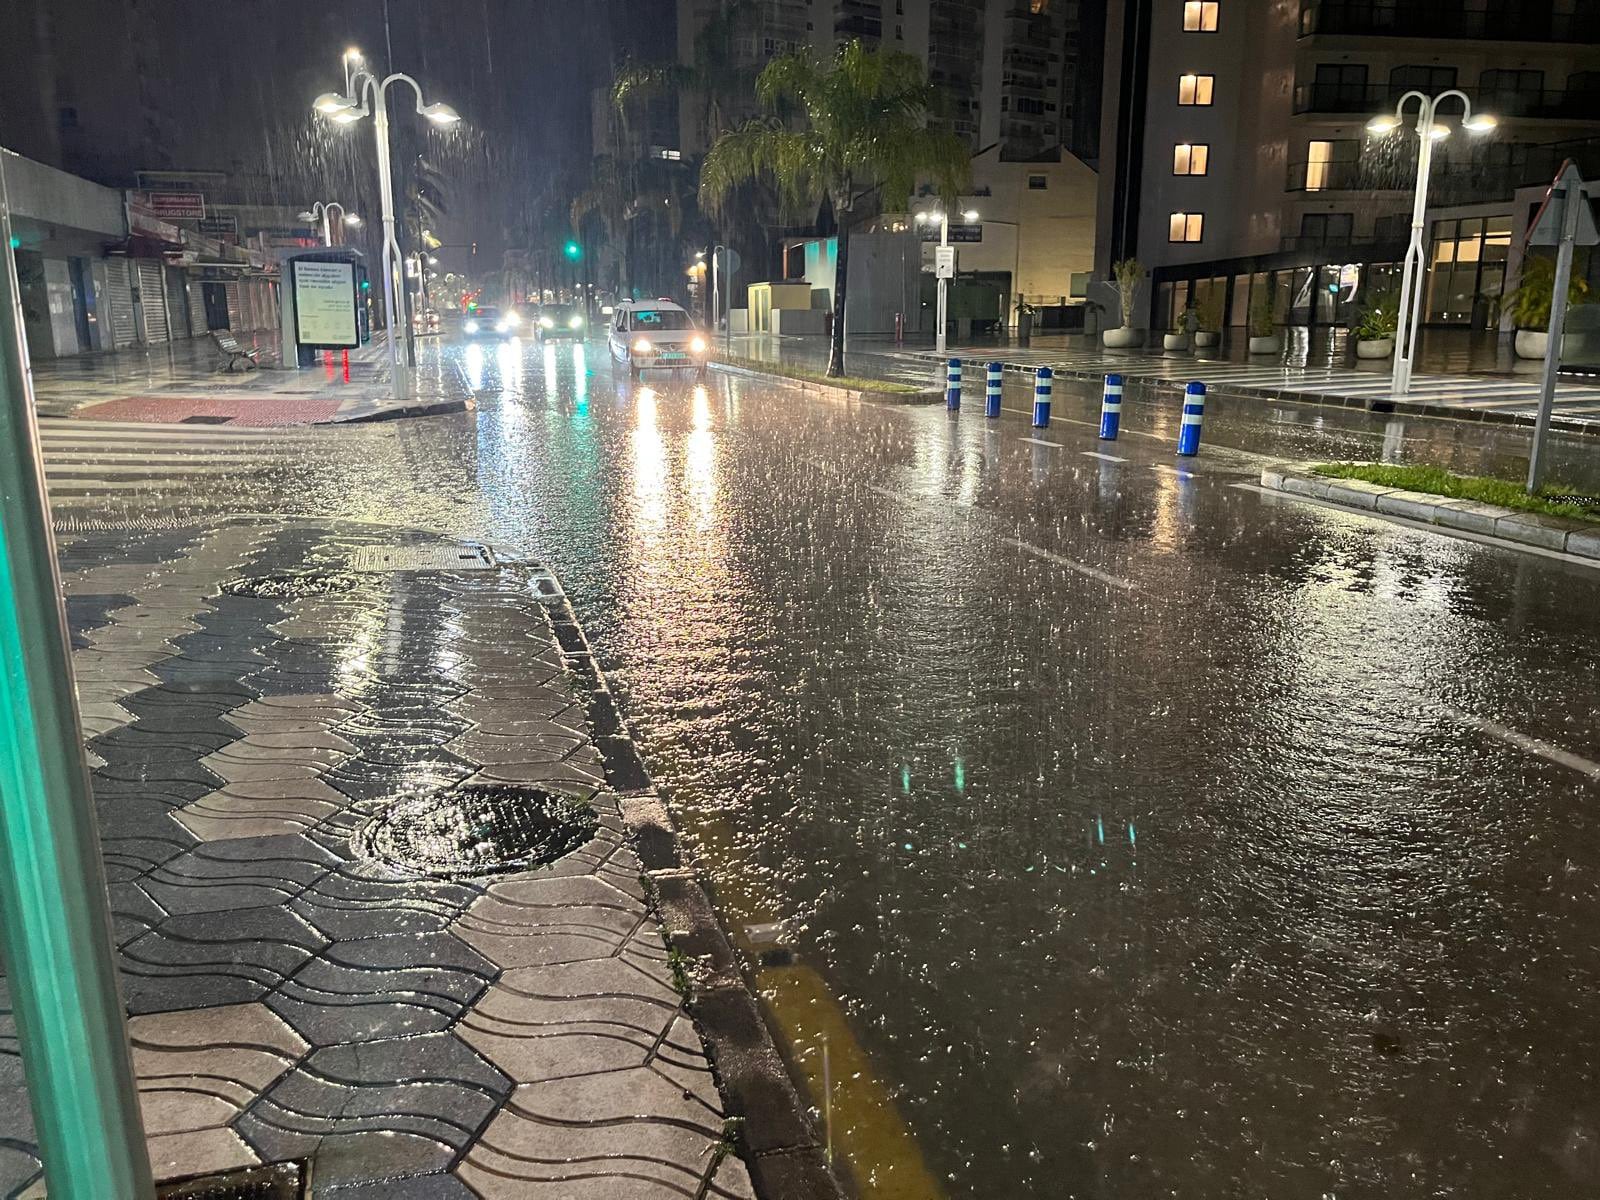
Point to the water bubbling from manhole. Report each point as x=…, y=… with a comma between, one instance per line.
x=292, y=586
x=478, y=829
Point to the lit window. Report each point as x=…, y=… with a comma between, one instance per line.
x=1189, y=158
x=1185, y=227
x=1200, y=16
x=1195, y=89
x=1319, y=158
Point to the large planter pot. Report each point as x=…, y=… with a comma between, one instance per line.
x=1122, y=338
x=1271, y=344
x=1174, y=341
x=1205, y=339
x=1024, y=326
x=1374, y=347
x=1535, y=343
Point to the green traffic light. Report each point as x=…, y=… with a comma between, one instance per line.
x=573, y=250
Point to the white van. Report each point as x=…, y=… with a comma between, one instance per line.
x=657, y=333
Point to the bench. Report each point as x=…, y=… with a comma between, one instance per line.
x=233, y=353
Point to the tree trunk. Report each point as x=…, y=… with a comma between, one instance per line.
x=841, y=275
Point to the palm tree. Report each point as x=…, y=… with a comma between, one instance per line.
x=714, y=77
x=861, y=124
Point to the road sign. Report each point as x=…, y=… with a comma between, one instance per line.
x=944, y=262
x=219, y=226
x=1551, y=217
x=1568, y=204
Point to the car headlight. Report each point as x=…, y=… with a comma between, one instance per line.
x=642, y=346
x=502, y=327
x=513, y=319
x=546, y=323
x=575, y=323
x=697, y=345
x=472, y=327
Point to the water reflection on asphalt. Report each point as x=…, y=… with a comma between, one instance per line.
x=1190, y=887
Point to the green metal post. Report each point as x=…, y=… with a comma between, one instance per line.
x=55, y=929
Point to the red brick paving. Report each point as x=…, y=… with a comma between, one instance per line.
x=254, y=409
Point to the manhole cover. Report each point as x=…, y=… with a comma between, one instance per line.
x=480, y=828
x=292, y=586
x=468, y=557
x=276, y=1181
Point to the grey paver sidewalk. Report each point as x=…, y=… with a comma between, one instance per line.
x=292, y=994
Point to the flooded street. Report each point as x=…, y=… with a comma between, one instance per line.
x=1158, y=836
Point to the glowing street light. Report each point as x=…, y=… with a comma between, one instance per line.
x=1416, y=257
x=367, y=95
x=320, y=211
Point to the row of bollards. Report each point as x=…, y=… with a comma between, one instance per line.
x=1194, y=403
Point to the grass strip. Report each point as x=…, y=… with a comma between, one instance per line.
x=785, y=371
x=1555, y=500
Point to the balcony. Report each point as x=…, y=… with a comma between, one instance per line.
x=1347, y=177
x=1370, y=99
x=1501, y=20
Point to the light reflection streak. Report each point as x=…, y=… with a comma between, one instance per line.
x=699, y=465
x=474, y=359
x=649, y=461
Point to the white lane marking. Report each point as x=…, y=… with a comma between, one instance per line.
x=1532, y=745
x=1115, y=581
x=1101, y=457
x=55, y=470
x=1040, y=442
x=1466, y=535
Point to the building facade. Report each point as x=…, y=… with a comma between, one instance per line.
x=1236, y=156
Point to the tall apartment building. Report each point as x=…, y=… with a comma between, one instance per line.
x=1023, y=74
x=1235, y=154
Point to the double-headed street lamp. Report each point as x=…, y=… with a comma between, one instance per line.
x=321, y=210
x=1429, y=131
x=922, y=218
x=373, y=102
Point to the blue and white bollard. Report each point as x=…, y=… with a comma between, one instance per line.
x=952, y=384
x=991, y=392
x=1194, y=407
x=1111, y=409
x=1041, y=398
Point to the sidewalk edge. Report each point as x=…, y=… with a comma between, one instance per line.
x=775, y=1134
x=930, y=396
x=1579, y=539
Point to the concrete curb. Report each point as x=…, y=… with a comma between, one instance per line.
x=1383, y=407
x=776, y=1137
x=433, y=408
x=1578, y=538
x=931, y=396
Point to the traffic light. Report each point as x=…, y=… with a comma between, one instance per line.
x=572, y=250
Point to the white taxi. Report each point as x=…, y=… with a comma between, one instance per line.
x=656, y=333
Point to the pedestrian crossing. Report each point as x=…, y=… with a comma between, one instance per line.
x=1471, y=396
x=85, y=460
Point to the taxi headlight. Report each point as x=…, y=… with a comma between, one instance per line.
x=697, y=345
x=642, y=346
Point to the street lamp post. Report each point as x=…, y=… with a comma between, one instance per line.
x=321, y=210
x=944, y=244
x=374, y=102
x=1428, y=132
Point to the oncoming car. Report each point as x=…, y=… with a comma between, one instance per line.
x=560, y=321
x=656, y=333
x=489, y=322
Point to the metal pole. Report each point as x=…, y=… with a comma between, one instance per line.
x=400, y=385
x=1572, y=195
x=944, y=241
x=1415, y=266
x=55, y=931
x=327, y=234
x=716, y=291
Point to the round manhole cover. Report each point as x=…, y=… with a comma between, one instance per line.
x=292, y=586
x=477, y=829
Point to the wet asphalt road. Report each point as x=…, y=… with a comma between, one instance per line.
x=1148, y=826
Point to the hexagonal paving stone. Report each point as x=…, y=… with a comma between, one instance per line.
x=260, y=808
x=540, y=1023
x=532, y=922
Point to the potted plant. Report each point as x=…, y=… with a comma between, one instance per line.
x=1129, y=274
x=1529, y=304
x=1264, y=337
x=1208, y=319
x=1376, y=329
x=1178, y=339
x=1024, y=320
